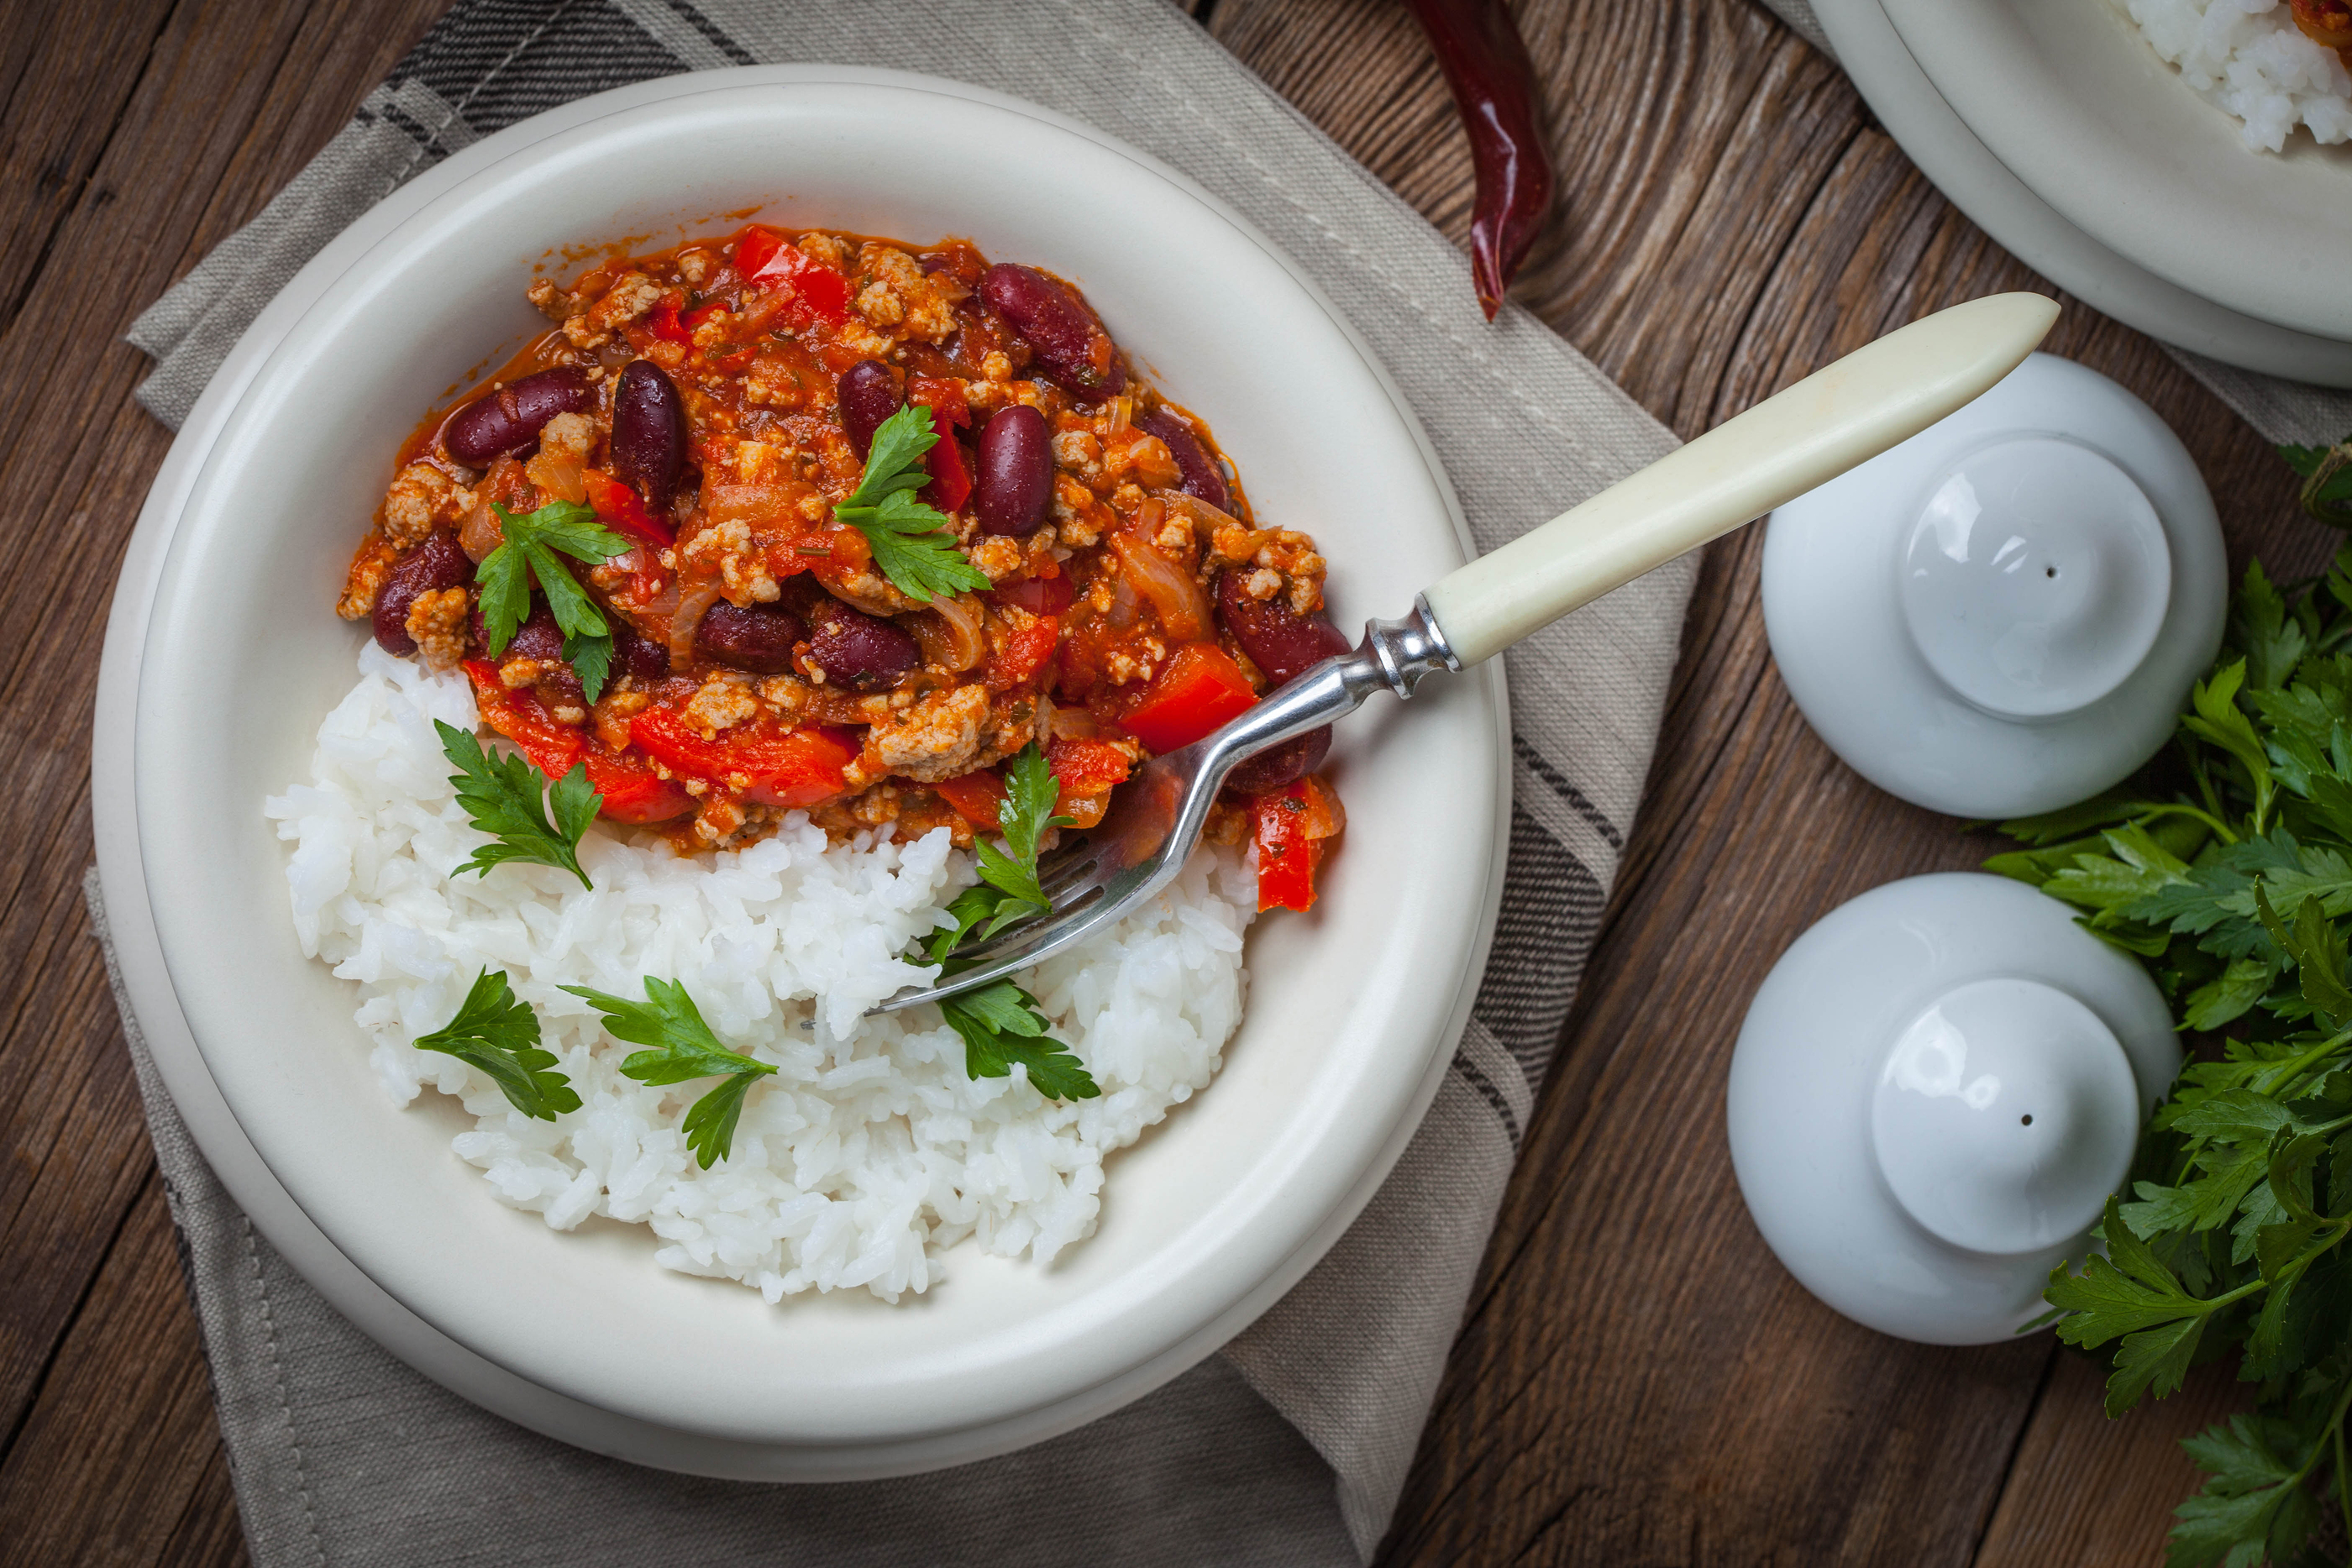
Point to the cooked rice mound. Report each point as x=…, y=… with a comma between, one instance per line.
x=869, y=1153
x=2247, y=59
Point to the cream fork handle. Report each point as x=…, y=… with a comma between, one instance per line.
x=1835, y=418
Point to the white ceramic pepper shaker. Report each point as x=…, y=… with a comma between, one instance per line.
x=1934, y=1092
x=2003, y=614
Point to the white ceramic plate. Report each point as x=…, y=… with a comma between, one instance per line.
x=1935, y=138
x=2073, y=102
x=1353, y=1012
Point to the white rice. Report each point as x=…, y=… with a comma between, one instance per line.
x=869, y=1152
x=2247, y=59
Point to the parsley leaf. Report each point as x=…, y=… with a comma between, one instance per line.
x=531, y=549
x=500, y=1035
x=1001, y=1025
x=501, y=797
x=683, y=1047
x=913, y=544
x=2253, y=1506
x=1031, y=793
x=591, y=658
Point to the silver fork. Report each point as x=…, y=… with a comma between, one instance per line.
x=1834, y=419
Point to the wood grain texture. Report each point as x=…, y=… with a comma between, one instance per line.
x=1637, y=1381
x=133, y=138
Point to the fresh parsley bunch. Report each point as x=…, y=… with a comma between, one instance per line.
x=531, y=549
x=1001, y=1023
x=2228, y=870
x=913, y=544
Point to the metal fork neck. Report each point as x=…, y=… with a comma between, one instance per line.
x=1409, y=649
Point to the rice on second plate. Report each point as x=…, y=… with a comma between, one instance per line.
x=869, y=1151
x=2247, y=59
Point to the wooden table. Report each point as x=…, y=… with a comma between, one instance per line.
x=1637, y=1382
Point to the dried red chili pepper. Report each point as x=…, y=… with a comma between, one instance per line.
x=1486, y=68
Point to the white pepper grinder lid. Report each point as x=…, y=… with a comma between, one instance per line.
x=2003, y=614
x=1934, y=1092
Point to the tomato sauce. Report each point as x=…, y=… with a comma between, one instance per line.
x=712, y=404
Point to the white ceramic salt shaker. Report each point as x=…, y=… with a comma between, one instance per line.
x=1933, y=1094
x=2003, y=614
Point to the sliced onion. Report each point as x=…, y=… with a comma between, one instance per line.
x=1183, y=607
x=954, y=635
x=480, y=533
x=686, y=619
x=1074, y=724
x=562, y=478
x=1205, y=518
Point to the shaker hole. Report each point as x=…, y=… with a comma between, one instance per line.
x=2026, y=1121
x=2049, y=572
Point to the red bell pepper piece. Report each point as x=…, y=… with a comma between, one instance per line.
x=663, y=322
x=634, y=792
x=951, y=483
x=1022, y=653
x=975, y=796
x=1195, y=693
x=797, y=768
x=553, y=749
x=620, y=505
x=1285, y=854
x=763, y=257
x=1088, y=767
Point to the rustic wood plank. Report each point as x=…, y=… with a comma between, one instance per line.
x=123, y=1440
x=2085, y=1491
x=213, y=106
x=1638, y=1379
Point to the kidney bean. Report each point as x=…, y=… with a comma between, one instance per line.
x=510, y=418
x=1016, y=471
x=758, y=638
x=642, y=657
x=869, y=395
x=1204, y=480
x=1278, y=639
x=1070, y=344
x=858, y=649
x=648, y=431
x=440, y=562
x=539, y=637
x=1286, y=764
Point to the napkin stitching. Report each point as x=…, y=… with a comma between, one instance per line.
x=1371, y=264
x=400, y=176
x=285, y=1405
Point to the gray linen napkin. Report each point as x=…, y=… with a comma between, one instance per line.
x=1291, y=1444
x=2279, y=409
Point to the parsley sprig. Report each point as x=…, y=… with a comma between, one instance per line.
x=500, y=1035
x=501, y=798
x=531, y=549
x=2228, y=870
x=912, y=543
x=683, y=1048
x=1001, y=1023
